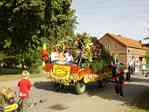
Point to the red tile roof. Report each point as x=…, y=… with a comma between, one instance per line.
x=126, y=41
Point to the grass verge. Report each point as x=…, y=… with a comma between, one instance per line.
x=134, y=109
x=7, y=77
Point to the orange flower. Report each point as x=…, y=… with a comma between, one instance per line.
x=48, y=67
x=85, y=71
x=75, y=69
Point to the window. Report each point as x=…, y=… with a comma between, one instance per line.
x=115, y=45
x=108, y=46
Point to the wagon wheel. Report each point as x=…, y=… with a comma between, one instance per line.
x=80, y=88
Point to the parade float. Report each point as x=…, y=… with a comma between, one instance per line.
x=94, y=66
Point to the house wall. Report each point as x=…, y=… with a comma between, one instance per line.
x=116, y=49
x=135, y=55
x=123, y=53
x=136, y=52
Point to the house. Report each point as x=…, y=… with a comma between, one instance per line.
x=123, y=49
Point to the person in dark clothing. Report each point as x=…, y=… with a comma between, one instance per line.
x=128, y=74
x=114, y=67
x=79, y=45
x=119, y=82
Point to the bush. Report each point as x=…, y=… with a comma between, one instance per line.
x=36, y=68
x=98, y=65
x=10, y=71
x=9, y=62
x=147, y=57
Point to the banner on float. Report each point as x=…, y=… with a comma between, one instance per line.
x=61, y=71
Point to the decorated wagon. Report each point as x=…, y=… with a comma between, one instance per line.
x=95, y=67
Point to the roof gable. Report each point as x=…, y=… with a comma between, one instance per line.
x=125, y=41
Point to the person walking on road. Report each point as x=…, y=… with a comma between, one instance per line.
x=24, y=86
x=119, y=81
x=114, y=67
x=128, y=74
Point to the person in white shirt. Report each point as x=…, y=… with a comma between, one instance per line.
x=68, y=57
x=61, y=58
x=54, y=57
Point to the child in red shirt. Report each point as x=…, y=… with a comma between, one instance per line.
x=24, y=85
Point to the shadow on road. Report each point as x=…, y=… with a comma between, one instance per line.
x=132, y=91
x=50, y=86
x=136, y=93
x=58, y=107
x=45, y=85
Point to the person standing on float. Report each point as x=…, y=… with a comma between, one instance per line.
x=79, y=45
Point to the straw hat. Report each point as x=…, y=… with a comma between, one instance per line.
x=3, y=90
x=7, y=92
x=25, y=74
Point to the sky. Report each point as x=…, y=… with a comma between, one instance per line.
x=126, y=17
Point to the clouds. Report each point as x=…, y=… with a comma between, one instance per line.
x=127, y=17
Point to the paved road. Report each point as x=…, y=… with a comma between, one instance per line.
x=94, y=100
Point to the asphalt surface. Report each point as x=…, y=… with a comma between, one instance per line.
x=46, y=99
